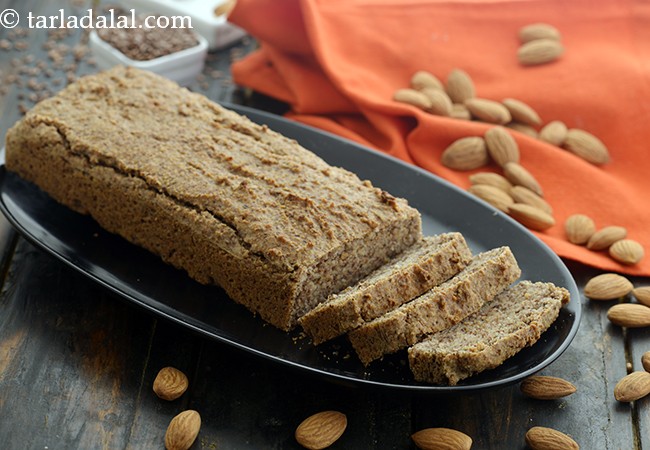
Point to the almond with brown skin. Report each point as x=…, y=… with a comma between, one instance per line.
x=440, y=102
x=519, y=176
x=642, y=295
x=424, y=80
x=645, y=361
x=521, y=112
x=629, y=315
x=501, y=146
x=170, y=383
x=493, y=195
x=543, y=438
x=536, y=31
x=225, y=8
x=607, y=286
x=554, y=133
x=539, y=51
x=586, y=146
x=531, y=217
x=460, y=86
x=627, y=251
x=605, y=237
x=491, y=178
x=524, y=195
x=460, y=111
x=465, y=154
x=579, y=228
x=183, y=430
x=413, y=98
x=321, y=430
x=632, y=387
x=441, y=439
x=488, y=111
x=523, y=128
x=546, y=388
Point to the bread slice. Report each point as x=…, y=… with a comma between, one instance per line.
x=229, y=201
x=488, y=274
x=426, y=264
x=516, y=318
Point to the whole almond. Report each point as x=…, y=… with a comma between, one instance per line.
x=605, y=237
x=543, y=438
x=519, y=176
x=645, y=361
x=491, y=178
x=465, y=154
x=539, y=51
x=642, y=295
x=546, y=388
x=586, y=146
x=440, y=102
x=183, y=430
x=531, y=217
x=488, y=110
x=579, y=228
x=225, y=8
x=554, y=133
x=460, y=111
x=501, y=146
x=521, y=112
x=321, y=429
x=523, y=128
x=632, y=387
x=493, y=195
x=607, y=286
x=412, y=97
x=536, y=31
x=524, y=195
x=627, y=251
x=424, y=80
x=441, y=439
x=170, y=383
x=460, y=86
x=629, y=315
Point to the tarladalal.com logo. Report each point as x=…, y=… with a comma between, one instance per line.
x=9, y=18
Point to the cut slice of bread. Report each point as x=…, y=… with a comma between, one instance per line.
x=426, y=264
x=488, y=274
x=515, y=319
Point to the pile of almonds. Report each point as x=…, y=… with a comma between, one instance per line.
x=611, y=286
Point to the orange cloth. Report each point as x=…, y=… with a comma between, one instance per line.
x=338, y=62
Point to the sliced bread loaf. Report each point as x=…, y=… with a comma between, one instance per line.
x=488, y=274
x=516, y=318
x=426, y=264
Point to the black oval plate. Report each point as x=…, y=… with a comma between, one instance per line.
x=145, y=280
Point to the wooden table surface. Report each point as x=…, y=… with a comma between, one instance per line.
x=77, y=362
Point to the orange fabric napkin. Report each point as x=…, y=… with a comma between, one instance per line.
x=338, y=62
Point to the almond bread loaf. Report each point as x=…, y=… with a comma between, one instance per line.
x=230, y=202
x=488, y=274
x=516, y=318
x=424, y=265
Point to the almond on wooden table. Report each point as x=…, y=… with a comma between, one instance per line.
x=424, y=80
x=524, y=195
x=629, y=315
x=493, y=195
x=627, y=251
x=441, y=439
x=519, y=176
x=539, y=30
x=642, y=295
x=183, y=430
x=605, y=237
x=170, y=383
x=554, y=133
x=501, y=146
x=521, y=112
x=586, y=146
x=491, y=178
x=531, y=217
x=632, y=387
x=579, y=228
x=488, y=111
x=321, y=430
x=539, y=51
x=607, y=286
x=543, y=438
x=545, y=387
x=460, y=86
x=466, y=154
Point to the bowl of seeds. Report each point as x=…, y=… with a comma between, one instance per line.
x=175, y=53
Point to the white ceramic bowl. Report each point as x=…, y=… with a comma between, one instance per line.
x=182, y=66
